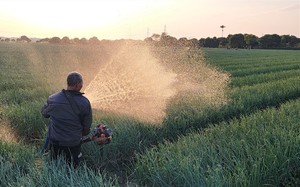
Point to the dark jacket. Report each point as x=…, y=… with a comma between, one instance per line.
x=66, y=127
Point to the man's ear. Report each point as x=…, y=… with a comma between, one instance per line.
x=78, y=86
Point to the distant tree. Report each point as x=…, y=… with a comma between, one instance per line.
x=237, y=41
x=289, y=41
x=155, y=37
x=75, y=40
x=44, y=40
x=251, y=41
x=106, y=42
x=285, y=39
x=194, y=43
x=294, y=41
x=83, y=41
x=65, y=40
x=7, y=40
x=167, y=40
x=183, y=42
x=211, y=42
x=55, y=40
x=223, y=42
x=270, y=41
x=24, y=39
x=149, y=40
x=163, y=34
x=94, y=40
x=202, y=42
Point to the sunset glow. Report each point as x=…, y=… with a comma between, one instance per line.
x=137, y=19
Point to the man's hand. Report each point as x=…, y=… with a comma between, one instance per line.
x=85, y=139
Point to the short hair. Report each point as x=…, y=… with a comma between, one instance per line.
x=74, y=78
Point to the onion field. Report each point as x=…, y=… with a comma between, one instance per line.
x=232, y=120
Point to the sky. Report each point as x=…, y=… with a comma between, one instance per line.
x=138, y=19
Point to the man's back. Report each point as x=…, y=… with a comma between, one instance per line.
x=66, y=127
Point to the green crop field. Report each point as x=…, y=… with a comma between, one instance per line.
x=234, y=120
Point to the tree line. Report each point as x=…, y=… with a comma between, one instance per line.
x=249, y=41
x=268, y=41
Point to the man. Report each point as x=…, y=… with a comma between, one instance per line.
x=70, y=116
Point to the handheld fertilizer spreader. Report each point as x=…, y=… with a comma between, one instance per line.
x=101, y=134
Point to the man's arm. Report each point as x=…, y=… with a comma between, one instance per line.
x=45, y=110
x=87, y=122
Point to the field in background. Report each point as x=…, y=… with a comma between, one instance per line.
x=251, y=115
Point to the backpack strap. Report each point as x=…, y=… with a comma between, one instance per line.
x=74, y=105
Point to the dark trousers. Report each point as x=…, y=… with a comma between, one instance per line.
x=70, y=153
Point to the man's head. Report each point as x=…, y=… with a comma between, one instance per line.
x=74, y=81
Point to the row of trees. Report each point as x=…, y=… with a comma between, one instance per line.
x=268, y=41
x=67, y=40
x=55, y=40
x=21, y=39
x=251, y=41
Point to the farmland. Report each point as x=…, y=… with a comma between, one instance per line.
x=241, y=130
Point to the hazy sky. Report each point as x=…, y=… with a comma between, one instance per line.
x=137, y=19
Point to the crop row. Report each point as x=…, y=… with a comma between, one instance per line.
x=262, y=78
x=254, y=65
x=244, y=100
x=22, y=166
x=223, y=58
x=261, y=70
x=257, y=150
x=256, y=62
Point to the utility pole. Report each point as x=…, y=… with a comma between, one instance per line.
x=222, y=27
